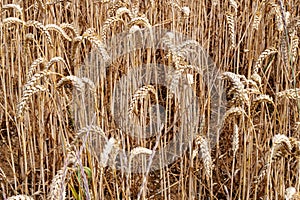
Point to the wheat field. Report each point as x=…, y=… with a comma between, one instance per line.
x=131, y=99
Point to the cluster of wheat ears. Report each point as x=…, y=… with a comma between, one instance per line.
x=63, y=136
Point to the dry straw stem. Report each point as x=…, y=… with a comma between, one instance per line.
x=205, y=154
x=262, y=57
x=57, y=186
x=20, y=197
x=230, y=17
x=140, y=94
x=59, y=30
x=290, y=94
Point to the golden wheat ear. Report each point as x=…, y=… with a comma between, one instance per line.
x=20, y=197
x=205, y=154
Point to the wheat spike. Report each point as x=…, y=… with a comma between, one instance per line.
x=14, y=6
x=123, y=10
x=55, y=60
x=140, y=21
x=235, y=111
x=76, y=81
x=108, y=148
x=256, y=20
x=262, y=98
x=290, y=93
x=59, y=30
x=71, y=28
x=28, y=92
x=281, y=146
x=231, y=25
x=262, y=57
x=295, y=147
x=57, y=186
x=13, y=20
x=235, y=141
x=20, y=197
x=82, y=132
x=139, y=94
x=205, y=154
x=262, y=173
x=106, y=26
x=294, y=45
x=33, y=66
x=94, y=39
x=291, y=194
x=40, y=26
x=257, y=78
x=139, y=150
x=234, y=5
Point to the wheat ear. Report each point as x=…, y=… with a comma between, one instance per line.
x=70, y=27
x=205, y=154
x=14, y=6
x=58, y=29
x=262, y=57
x=20, y=197
x=139, y=94
x=231, y=25
x=41, y=27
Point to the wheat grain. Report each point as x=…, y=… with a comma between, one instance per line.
x=235, y=111
x=107, y=24
x=234, y=5
x=76, y=81
x=89, y=129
